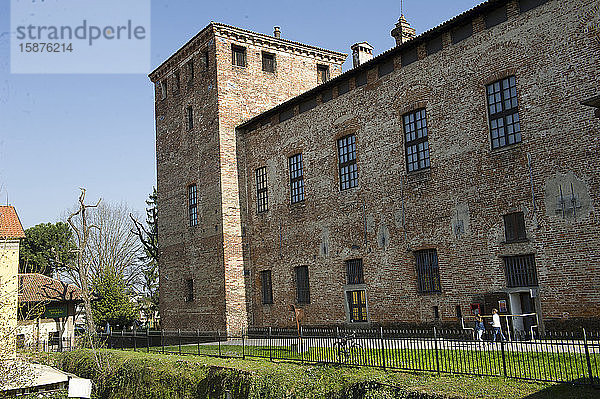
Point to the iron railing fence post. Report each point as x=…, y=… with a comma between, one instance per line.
x=243, y=345
x=147, y=339
x=270, y=345
x=162, y=339
x=198, y=340
x=503, y=357
x=437, y=357
x=382, y=347
x=301, y=346
x=134, y=340
x=179, y=340
x=219, y=340
x=587, y=358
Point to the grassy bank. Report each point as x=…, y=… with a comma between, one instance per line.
x=140, y=375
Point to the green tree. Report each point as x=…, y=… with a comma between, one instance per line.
x=112, y=305
x=148, y=236
x=46, y=248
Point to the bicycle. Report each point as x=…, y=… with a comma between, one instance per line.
x=346, y=346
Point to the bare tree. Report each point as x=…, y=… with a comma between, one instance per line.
x=82, y=230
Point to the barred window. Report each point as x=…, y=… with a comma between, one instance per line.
x=520, y=271
x=347, y=162
x=354, y=271
x=415, y=140
x=302, y=286
x=322, y=73
x=262, y=198
x=204, y=60
x=189, y=115
x=267, y=287
x=163, y=89
x=505, y=126
x=193, y=205
x=189, y=283
x=357, y=305
x=268, y=62
x=514, y=227
x=238, y=55
x=428, y=272
x=296, y=178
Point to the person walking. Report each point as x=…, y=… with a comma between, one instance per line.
x=479, y=327
x=496, y=325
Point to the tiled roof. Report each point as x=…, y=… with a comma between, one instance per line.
x=35, y=287
x=10, y=225
x=458, y=20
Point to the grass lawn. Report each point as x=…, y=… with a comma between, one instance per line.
x=294, y=380
x=487, y=361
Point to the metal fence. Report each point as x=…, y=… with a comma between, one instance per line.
x=51, y=345
x=553, y=356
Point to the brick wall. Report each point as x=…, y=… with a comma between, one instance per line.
x=221, y=97
x=552, y=51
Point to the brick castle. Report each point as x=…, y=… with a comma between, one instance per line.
x=453, y=173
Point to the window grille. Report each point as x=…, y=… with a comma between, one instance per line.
x=428, y=272
x=296, y=178
x=505, y=125
x=415, y=140
x=354, y=271
x=357, y=306
x=267, y=287
x=347, y=162
x=520, y=271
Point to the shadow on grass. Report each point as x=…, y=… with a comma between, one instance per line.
x=573, y=390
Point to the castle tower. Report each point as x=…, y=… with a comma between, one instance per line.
x=403, y=32
x=221, y=77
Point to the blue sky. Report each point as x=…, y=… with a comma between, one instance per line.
x=62, y=132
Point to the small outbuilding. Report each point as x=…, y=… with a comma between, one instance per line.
x=47, y=311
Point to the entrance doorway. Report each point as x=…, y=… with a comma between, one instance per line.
x=522, y=303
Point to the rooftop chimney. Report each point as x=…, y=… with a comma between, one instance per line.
x=361, y=53
x=277, y=32
x=403, y=32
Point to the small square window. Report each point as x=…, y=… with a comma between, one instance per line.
x=436, y=312
x=268, y=62
x=520, y=271
x=514, y=227
x=238, y=55
x=322, y=73
x=163, y=89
